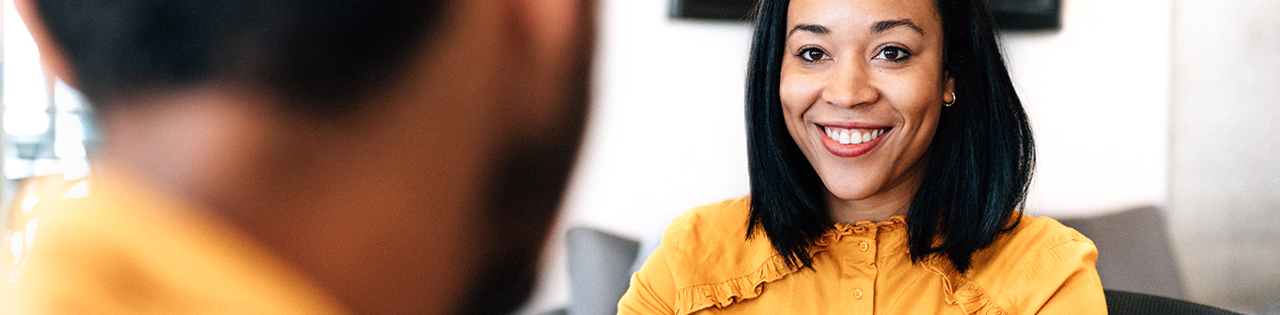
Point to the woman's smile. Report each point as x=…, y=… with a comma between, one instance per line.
x=850, y=142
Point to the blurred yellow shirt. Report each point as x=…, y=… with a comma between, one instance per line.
x=126, y=249
x=705, y=266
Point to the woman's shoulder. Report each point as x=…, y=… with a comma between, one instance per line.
x=1030, y=240
x=711, y=261
x=729, y=214
x=1037, y=236
x=1035, y=259
x=715, y=227
x=715, y=234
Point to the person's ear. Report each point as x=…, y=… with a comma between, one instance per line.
x=52, y=56
x=556, y=40
x=949, y=91
x=553, y=24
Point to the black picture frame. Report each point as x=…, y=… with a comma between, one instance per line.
x=730, y=10
x=1010, y=14
x=1027, y=14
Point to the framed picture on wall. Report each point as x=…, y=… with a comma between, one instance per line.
x=1027, y=14
x=1010, y=14
x=739, y=10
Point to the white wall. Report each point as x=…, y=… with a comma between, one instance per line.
x=1097, y=92
x=667, y=131
x=1225, y=183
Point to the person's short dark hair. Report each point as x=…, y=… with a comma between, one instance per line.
x=318, y=55
x=979, y=165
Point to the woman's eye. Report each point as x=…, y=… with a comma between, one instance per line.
x=812, y=54
x=893, y=54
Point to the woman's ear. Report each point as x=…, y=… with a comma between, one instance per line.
x=949, y=91
x=52, y=56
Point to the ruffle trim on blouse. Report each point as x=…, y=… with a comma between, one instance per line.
x=861, y=227
x=720, y=295
x=961, y=292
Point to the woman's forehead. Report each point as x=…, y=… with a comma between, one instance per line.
x=862, y=15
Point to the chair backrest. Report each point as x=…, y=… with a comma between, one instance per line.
x=1129, y=303
x=1134, y=252
x=599, y=270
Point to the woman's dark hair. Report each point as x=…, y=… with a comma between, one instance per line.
x=979, y=164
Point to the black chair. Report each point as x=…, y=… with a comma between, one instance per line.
x=1126, y=303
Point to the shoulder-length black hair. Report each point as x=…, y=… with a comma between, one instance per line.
x=979, y=164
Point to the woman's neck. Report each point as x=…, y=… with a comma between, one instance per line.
x=893, y=200
x=870, y=209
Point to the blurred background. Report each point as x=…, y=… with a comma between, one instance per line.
x=1171, y=104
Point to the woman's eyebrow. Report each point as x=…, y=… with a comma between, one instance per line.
x=879, y=27
x=816, y=29
x=882, y=26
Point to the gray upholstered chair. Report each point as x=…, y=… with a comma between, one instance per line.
x=599, y=270
x=1134, y=252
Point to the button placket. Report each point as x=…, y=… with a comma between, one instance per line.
x=865, y=258
x=856, y=253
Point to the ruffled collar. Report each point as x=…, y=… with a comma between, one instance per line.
x=860, y=228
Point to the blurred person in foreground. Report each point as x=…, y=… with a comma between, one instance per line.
x=309, y=156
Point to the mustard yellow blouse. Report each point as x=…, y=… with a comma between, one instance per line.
x=705, y=266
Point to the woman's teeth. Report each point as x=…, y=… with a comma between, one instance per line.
x=854, y=136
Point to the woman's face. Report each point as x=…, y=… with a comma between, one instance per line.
x=862, y=87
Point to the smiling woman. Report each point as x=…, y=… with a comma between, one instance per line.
x=889, y=155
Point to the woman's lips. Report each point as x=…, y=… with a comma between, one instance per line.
x=851, y=142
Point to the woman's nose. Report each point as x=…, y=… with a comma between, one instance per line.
x=849, y=85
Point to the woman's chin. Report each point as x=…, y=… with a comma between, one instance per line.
x=851, y=193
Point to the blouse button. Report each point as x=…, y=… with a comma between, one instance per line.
x=863, y=246
x=857, y=294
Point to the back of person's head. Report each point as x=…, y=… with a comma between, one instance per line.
x=319, y=54
x=408, y=156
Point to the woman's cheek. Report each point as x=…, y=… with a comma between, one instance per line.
x=917, y=101
x=797, y=93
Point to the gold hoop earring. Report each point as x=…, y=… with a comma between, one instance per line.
x=953, y=100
